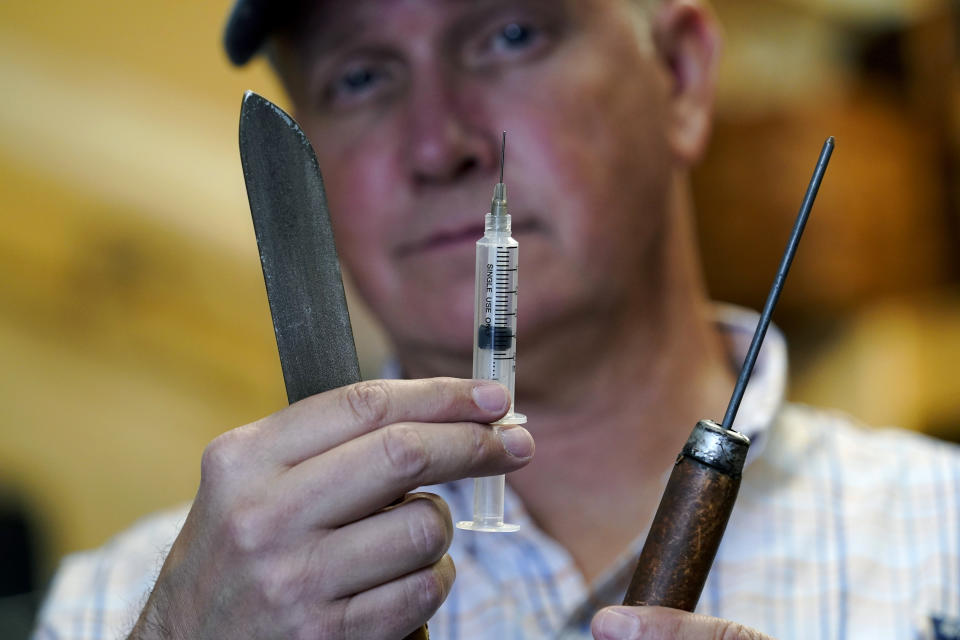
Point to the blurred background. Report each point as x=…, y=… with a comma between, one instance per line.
x=133, y=321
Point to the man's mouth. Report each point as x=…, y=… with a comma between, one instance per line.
x=458, y=237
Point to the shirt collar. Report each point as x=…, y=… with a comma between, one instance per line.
x=767, y=388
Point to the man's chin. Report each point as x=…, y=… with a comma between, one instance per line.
x=431, y=334
x=425, y=358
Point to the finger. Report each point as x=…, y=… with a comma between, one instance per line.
x=395, y=609
x=391, y=544
x=323, y=421
x=661, y=623
x=361, y=476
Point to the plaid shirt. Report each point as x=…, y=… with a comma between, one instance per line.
x=839, y=532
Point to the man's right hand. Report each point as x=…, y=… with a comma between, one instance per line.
x=291, y=535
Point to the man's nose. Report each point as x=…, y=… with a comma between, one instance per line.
x=446, y=140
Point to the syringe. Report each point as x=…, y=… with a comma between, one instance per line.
x=494, y=340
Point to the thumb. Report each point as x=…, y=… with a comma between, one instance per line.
x=661, y=623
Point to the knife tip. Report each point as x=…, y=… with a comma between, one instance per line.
x=249, y=95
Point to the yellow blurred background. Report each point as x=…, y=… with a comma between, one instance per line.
x=133, y=320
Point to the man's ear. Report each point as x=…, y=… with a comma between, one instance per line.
x=687, y=37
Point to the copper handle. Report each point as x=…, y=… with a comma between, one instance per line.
x=690, y=521
x=419, y=634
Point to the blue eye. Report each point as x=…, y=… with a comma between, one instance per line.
x=515, y=36
x=359, y=83
x=515, y=39
x=357, y=79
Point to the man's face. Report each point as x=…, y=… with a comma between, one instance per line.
x=405, y=101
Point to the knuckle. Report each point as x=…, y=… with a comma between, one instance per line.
x=430, y=530
x=441, y=507
x=727, y=630
x=368, y=400
x=430, y=590
x=405, y=450
x=349, y=620
x=246, y=529
x=451, y=391
x=219, y=456
x=478, y=440
x=329, y=623
x=274, y=588
x=228, y=453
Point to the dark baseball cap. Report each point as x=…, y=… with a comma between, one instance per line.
x=251, y=22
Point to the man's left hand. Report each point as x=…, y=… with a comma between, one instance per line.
x=660, y=623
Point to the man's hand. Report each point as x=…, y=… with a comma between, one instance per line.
x=291, y=535
x=660, y=623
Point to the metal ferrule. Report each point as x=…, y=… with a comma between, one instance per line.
x=716, y=447
x=498, y=220
x=498, y=206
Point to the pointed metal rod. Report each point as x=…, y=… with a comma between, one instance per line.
x=774, y=294
x=503, y=150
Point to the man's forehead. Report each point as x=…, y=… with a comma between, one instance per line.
x=326, y=24
x=337, y=20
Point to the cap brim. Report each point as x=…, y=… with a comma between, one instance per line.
x=247, y=28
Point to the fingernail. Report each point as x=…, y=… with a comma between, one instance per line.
x=517, y=441
x=616, y=625
x=490, y=397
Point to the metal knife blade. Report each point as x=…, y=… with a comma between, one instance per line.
x=297, y=251
x=298, y=255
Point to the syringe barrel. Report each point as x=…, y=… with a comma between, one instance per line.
x=495, y=352
x=495, y=327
